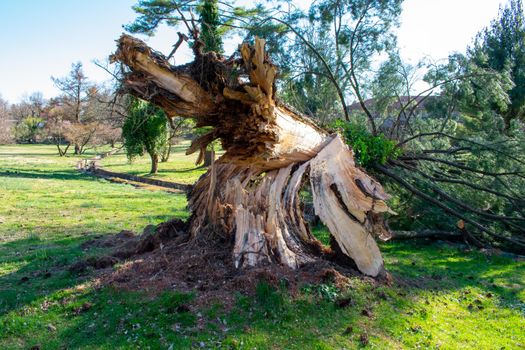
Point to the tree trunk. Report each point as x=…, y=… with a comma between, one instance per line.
x=251, y=192
x=154, y=163
x=77, y=149
x=61, y=152
x=166, y=152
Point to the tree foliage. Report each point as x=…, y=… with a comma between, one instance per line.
x=215, y=19
x=501, y=47
x=210, y=26
x=145, y=130
x=29, y=129
x=368, y=149
x=333, y=43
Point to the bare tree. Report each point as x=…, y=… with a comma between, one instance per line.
x=75, y=88
x=6, y=123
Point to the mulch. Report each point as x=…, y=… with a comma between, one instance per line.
x=163, y=258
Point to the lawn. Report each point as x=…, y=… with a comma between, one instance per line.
x=444, y=297
x=179, y=168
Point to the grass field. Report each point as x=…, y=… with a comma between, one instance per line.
x=180, y=168
x=446, y=298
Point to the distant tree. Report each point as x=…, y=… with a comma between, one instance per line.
x=96, y=129
x=75, y=88
x=31, y=105
x=178, y=126
x=81, y=134
x=145, y=131
x=6, y=123
x=55, y=127
x=29, y=129
x=108, y=134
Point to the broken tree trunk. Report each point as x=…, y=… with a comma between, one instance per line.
x=250, y=194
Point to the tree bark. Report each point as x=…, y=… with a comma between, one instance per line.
x=166, y=152
x=61, y=152
x=154, y=163
x=251, y=192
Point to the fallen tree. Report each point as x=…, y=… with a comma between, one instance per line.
x=250, y=194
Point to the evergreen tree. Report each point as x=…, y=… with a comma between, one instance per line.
x=501, y=47
x=210, y=26
x=145, y=131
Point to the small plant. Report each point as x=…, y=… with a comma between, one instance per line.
x=369, y=149
x=328, y=292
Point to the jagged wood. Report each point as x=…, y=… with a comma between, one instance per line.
x=251, y=193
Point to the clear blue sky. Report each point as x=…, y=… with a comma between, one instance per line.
x=41, y=38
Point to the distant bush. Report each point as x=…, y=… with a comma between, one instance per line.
x=30, y=129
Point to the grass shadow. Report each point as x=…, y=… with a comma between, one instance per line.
x=39, y=268
x=51, y=174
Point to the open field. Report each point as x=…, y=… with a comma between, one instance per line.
x=443, y=296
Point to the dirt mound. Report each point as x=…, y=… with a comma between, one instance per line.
x=163, y=258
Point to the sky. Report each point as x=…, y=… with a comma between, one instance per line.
x=42, y=38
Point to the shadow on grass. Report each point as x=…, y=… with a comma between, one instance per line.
x=40, y=268
x=180, y=171
x=40, y=293
x=4, y=154
x=54, y=175
x=162, y=171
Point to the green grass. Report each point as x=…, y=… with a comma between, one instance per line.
x=447, y=298
x=179, y=168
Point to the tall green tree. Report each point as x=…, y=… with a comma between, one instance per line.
x=145, y=131
x=215, y=19
x=210, y=26
x=501, y=47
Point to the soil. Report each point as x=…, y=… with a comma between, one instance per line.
x=162, y=258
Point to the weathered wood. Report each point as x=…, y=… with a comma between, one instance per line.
x=344, y=206
x=251, y=193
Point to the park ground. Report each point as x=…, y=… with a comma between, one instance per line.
x=443, y=296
